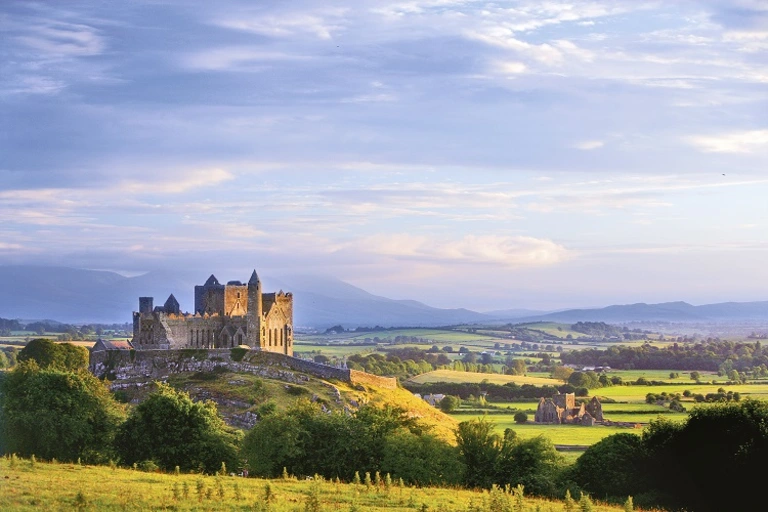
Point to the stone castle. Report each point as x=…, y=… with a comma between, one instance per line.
x=563, y=409
x=226, y=315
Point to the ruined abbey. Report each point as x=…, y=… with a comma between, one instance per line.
x=226, y=315
x=563, y=409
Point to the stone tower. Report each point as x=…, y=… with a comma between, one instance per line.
x=255, y=312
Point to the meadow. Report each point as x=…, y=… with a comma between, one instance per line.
x=495, y=378
x=32, y=486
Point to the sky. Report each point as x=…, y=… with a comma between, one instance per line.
x=488, y=155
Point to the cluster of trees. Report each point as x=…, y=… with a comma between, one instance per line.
x=407, y=362
x=52, y=407
x=305, y=441
x=509, y=392
x=711, y=462
x=6, y=326
x=720, y=356
x=398, y=363
x=8, y=357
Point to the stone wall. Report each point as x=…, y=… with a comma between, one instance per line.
x=159, y=364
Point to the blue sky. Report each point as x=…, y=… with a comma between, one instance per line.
x=467, y=154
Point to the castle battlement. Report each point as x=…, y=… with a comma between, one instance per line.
x=225, y=316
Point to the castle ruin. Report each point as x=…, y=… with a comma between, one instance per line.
x=563, y=409
x=226, y=315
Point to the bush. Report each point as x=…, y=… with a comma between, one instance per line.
x=520, y=417
x=57, y=414
x=172, y=430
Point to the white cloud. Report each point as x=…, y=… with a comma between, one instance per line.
x=189, y=179
x=61, y=39
x=507, y=251
x=321, y=24
x=511, y=67
x=735, y=142
x=238, y=57
x=589, y=145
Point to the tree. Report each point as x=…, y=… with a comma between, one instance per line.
x=533, y=463
x=479, y=448
x=421, y=459
x=612, y=468
x=172, y=430
x=450, y=403
x=520, y=417
x=517, y=367
x=562, y=373
x=61, y=356
x=695, y=376
x=55, y=414
x=588, y=379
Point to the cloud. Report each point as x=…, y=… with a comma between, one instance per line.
x=505, y=251
x=321, y=24
x=236, y=58
x=185, y=181
x=589, y=145
x=734, y=142
x=54, y=38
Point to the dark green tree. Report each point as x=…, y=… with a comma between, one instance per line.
x=613, y=468
x=449, y=403
x=56, y=414
x=533, y=463
x=421, y=459
x=61, y=356
x=479, y=447
x=172, y=430
x=520, y=417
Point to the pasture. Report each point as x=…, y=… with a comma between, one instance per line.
x=573, y=435
x=454, y=376
x=28, y=486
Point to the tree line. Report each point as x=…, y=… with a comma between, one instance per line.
x=706, y=355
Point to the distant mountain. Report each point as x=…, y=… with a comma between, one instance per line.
x=510, y=314
x=323, y=301
x=81, y=296
x=665, y=312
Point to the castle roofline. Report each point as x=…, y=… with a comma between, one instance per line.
x=212, y=281
x=254, y=278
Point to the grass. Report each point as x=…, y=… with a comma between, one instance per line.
x=54, y=486
x=637, y=393
x=574, y=435
x=454, y=376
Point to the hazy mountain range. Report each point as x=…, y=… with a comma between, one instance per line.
x=80, y=296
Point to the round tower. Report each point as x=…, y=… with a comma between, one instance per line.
x=255, y=311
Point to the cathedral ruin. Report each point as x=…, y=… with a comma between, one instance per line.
x=563, y=409
x=226, y=315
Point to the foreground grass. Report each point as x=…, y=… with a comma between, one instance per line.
x=52, y=486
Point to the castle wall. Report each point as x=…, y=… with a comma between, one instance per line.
x=235, y=300
x=159, y=364
x=209, y=299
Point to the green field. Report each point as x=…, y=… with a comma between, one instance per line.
x=574, y=435
x=454, y=376
x=637, y=393
x=52, y=486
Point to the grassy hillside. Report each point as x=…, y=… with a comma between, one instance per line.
x=51, y=486
x=239, y=396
